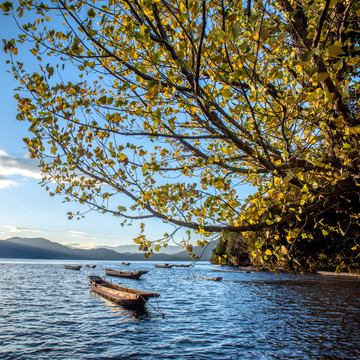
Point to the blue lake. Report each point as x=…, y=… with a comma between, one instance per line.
x=48, y=312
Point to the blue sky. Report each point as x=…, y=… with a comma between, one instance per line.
x=26, y=209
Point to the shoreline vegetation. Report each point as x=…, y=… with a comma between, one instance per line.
x=234, y=252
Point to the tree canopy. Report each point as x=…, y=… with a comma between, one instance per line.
x=176, y=104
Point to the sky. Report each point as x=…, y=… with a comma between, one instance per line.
x=26, y=209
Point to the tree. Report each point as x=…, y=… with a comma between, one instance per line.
x=175, y=104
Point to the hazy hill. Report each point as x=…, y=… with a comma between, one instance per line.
x=171, y=249
x=30, y=248
x=27, y=248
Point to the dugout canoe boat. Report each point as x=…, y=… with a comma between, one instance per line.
x=182, y=265
x=120, y=294
x=164, y=266
x=68, y=267
x=125, y=274
x=233, y=271
x=125, y=263
x=218, y=278
x=90, y=266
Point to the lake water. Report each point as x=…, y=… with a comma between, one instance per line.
x=48, y=312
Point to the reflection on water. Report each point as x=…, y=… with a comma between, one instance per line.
x=48, y=312
x=131, y=314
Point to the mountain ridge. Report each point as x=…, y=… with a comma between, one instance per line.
x=41, y=248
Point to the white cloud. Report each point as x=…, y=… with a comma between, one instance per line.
x=4, y=182
x=18, y=229
x=10, y=166
x=70, y=244
x=87, y=246
x=80, y=234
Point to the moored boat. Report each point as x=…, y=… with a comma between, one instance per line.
x=125, y=274
x=125, y=263
x=164, y=266
x=120, y=294
x=182, y=265
x=218, y=278
x=90, y=266
x=68, y=267
x=232, y=271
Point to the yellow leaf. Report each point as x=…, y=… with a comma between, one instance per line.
x=123, y=158
x=272, y=193
x=284, y=250
x=268, y=252
x=182, y=8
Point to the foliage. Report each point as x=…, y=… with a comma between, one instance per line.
x=231, y=249
x=175, y=104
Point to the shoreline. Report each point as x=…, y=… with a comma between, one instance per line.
x=330, y=273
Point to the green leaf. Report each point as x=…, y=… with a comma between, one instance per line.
x=323, y=76
x=219, y=35
x=235, y=30
x=333, y=51
x=6, y=6
x=306, y=56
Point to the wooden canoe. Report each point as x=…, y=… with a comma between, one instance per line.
x=182, y=265
x=90, y=266
x=125, y=263
x=232, y=271
x=125, y=274
x=120, y=294
x=164, y=266
x=72, y=267
x=218, y=278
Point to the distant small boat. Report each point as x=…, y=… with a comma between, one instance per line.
x=125, y=263
x=72, y=267
x=90, y=266
x=232, y=271
x=164, y=266
x=119, y=294
x=217, y=264
x=125, y=274
x=248, y=268
x=183, y=265
x=206, y=278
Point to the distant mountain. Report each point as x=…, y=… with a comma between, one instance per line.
x=28, y=248
x=205, y=253
x=171, y=249
x=40, y=248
